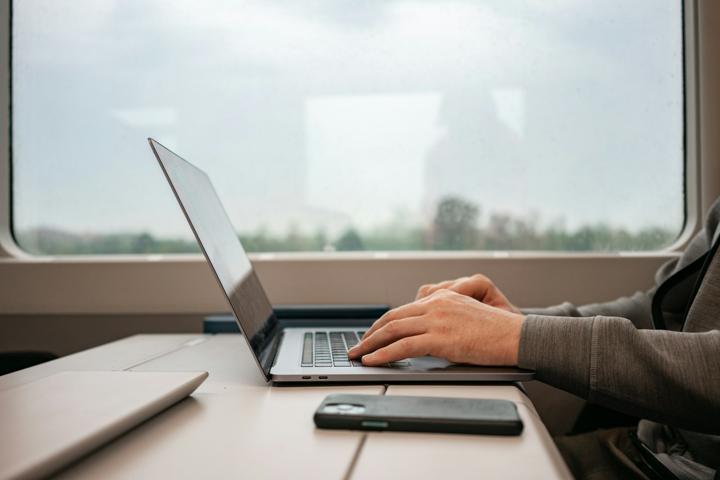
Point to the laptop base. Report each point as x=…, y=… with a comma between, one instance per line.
x=288, y=367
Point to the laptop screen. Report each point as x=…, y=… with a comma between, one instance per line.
x=223, y=250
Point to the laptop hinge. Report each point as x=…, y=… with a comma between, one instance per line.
x=269, y=355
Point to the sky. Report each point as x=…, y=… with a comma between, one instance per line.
x=330, y=114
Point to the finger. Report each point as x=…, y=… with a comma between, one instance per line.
x=405, y=327
x=449, y=285
x=471, y=288
x=422, y=291
x=407, y=347
x=414, y=309
x=428, y=289
x=478, y=287
x=483, y=289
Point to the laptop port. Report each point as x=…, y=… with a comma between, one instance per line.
x=322, y=377
x=306, y=377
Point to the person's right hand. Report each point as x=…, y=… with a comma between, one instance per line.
x=478, y=286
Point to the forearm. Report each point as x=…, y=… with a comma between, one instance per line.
x=659, y=375
x=635, y=308
x=565, y=309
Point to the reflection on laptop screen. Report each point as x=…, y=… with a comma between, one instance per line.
x=220, y=244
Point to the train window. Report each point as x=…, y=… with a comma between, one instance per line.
x=335, y=126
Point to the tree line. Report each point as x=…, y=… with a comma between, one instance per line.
x=455, y=226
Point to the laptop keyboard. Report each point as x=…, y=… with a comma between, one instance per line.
x=329, y=349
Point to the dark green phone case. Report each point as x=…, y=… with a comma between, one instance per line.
x=419, y=414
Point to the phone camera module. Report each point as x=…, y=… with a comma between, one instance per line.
x=344, y=409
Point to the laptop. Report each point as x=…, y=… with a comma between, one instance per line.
x=284, y=353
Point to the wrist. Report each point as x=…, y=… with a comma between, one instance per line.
x=514, y=338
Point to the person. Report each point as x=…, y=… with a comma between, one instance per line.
x=609, y=353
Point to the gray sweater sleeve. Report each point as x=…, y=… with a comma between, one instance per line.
x=635, y=308
x=608, y=353
x=646, y=373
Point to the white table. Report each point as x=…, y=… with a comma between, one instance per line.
x=235, y=425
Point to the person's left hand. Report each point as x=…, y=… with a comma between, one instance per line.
x=444, y=324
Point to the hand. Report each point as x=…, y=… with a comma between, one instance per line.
x=479, y=287
x=444, y=324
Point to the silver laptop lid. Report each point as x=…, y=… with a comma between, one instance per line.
x=224, y=252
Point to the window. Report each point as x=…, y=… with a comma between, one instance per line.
x=331, y=126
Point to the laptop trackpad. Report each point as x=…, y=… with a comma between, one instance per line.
x=434, y=364
x=430, y=363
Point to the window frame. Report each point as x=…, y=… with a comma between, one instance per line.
x=183, y=283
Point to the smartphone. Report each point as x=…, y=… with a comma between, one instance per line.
x=419, y=414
